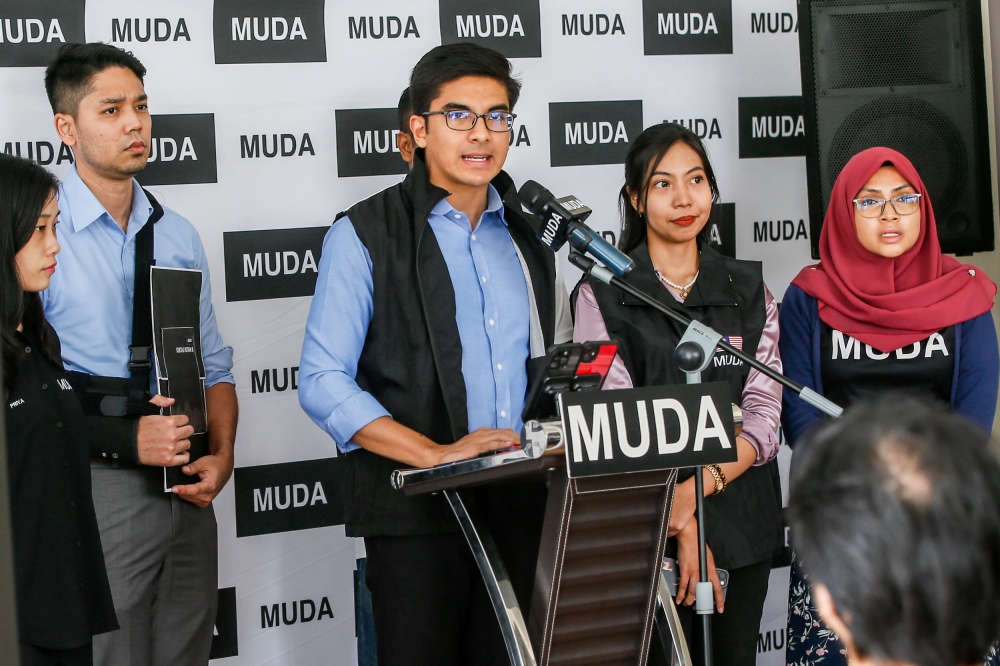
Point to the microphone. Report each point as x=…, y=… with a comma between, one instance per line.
x=562, y=220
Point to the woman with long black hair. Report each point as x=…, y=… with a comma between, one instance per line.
x=63, y=597
x=665, y=205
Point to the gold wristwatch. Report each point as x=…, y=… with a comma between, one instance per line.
x=719, y=476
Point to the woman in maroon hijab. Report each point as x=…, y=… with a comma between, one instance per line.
x=884, y=310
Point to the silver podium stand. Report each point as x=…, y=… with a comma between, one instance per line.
x=598, y=582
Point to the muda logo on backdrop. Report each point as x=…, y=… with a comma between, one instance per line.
x=592, y=24
x=675, y=27
x=513, y=28
x=592, y=132
x=182, y=150
x=773, y=22
x=295, y=611
x=287, y=496
x=780, y=230
x=269, y=31
x=281, y=379
x=377, y=27
x=272, y=145
x=771, y=127
x=143, y=30
x=366, y=142
x=39, y=152
x=720, y=229
x=705, y=128
x=273, y=263
x=31, y=31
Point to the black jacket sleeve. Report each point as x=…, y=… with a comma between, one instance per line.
x=113, y=439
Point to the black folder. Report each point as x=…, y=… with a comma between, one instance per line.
x=177, y=354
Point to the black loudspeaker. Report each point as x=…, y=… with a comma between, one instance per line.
x=910, y=76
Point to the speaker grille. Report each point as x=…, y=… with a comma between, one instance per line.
x=877, y=49
x=909, y=75
x=918, y=130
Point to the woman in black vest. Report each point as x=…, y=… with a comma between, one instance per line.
x=665, y=205
x=63, y=597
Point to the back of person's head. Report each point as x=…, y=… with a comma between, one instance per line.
x=894, y=509
x=25, y=188
x=645, y=153
x=404, y=110
x=450, y=62
x=68, y=76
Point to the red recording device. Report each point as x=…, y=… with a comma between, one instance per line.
x=575, y=366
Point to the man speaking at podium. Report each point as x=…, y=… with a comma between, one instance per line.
x=431, y=298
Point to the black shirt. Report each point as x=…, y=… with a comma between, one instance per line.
x=63, y=596
x=854, y=371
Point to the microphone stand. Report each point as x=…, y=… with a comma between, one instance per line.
x=701, y=334
x=693, y=354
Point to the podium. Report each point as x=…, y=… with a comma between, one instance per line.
x=598, y=572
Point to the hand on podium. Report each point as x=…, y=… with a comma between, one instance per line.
x=688, y=572
x=483, y=440
x=393, y=440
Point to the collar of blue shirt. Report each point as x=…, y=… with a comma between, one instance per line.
x=494, y=204
x=84, y=208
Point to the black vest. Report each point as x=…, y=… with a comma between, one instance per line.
x=412, y=359
x=743, y=523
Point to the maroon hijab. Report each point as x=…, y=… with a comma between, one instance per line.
x=889, y=303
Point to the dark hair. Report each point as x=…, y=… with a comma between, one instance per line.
x=895, y=508
x=643, y=155
x=25, y=188
x=68, y=76
x=448, y=62
x=405, y=110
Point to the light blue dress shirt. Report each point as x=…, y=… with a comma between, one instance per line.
x=89, y=301
x=491, y=311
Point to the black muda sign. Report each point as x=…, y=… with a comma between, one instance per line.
x=647, y=429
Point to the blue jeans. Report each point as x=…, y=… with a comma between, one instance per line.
x=364, y=623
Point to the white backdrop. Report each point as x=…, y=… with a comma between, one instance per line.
x=200, y=62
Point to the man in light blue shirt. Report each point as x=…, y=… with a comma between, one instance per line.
x=432, y=297
x=96, y=251
x=492, y=318
x=160, y=548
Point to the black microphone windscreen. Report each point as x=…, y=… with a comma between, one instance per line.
x=533, y=196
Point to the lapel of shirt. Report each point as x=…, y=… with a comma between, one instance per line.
x=79, y=202
x=85, y=209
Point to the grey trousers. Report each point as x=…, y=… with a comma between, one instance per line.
x=162, y=559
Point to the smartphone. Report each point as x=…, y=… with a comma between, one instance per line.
x=669, y=572
x=574, y=366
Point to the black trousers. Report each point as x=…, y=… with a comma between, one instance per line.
x=734, y=632
x=37, y=656
x=429, y=602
